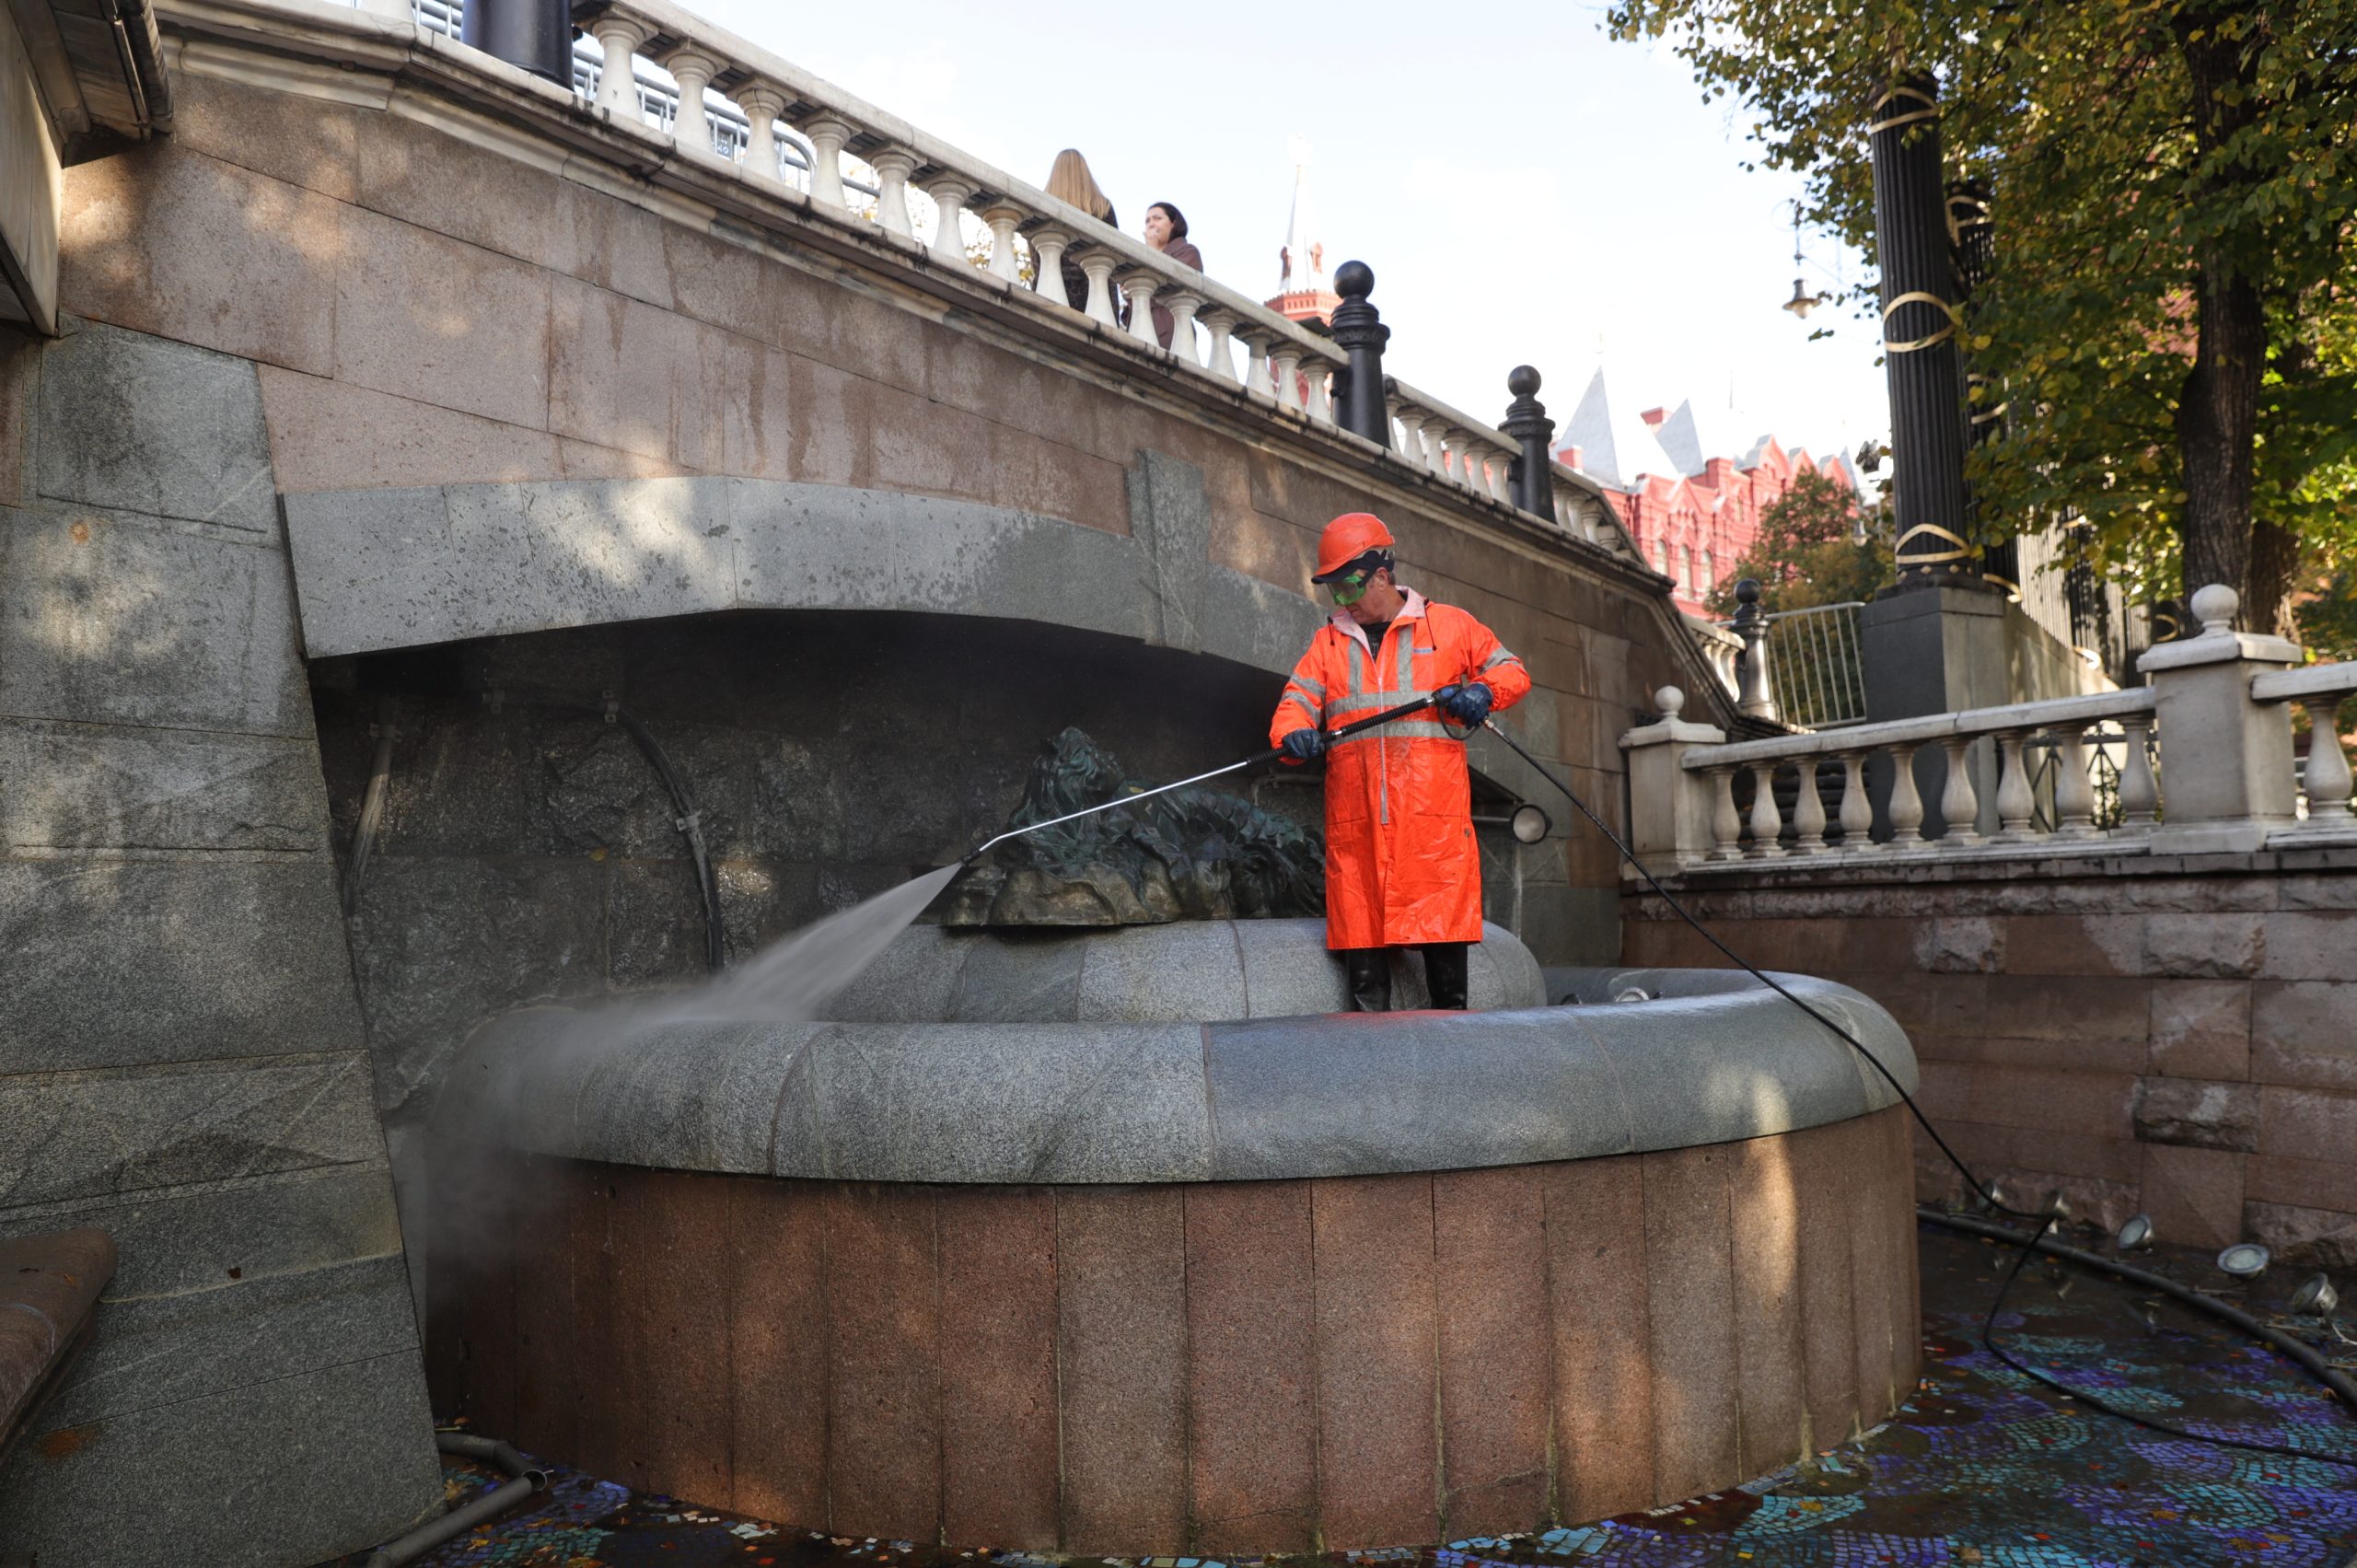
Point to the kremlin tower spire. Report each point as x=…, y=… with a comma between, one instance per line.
x=1303, y=291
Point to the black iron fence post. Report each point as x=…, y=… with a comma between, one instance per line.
x=534, y=34
x=1359, y=328
x=1526, y=422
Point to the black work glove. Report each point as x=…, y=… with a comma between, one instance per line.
x=1469, y=704
x=1303, y=744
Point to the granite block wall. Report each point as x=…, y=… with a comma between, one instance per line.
x=1236, y=1369
x=182, y=1059
x=2174, y=1035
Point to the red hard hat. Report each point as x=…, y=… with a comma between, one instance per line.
x=1346, y=538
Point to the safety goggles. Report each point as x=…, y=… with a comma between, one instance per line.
x=1349, y=589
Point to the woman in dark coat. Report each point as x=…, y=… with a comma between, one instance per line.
x=1165, y=230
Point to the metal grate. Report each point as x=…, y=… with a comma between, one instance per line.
x=1813, y=666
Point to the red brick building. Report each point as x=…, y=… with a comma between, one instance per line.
x=1688, y=485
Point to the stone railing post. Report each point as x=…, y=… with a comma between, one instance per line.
x=763, y=104
x=1670, y=809
x=2226, y=767
x=1359, y=330
x=1220, y=322
x=950, y=192
x=693, y=69
x=1047, y=246
x=1757, y=699
x=1002, y=220
x=893, y=167
x=828, y=136
x=1526, y=422
x=617, y=83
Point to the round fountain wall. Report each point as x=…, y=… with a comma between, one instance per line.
x=1124, y=1242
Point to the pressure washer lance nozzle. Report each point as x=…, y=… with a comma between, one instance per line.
x=1254, y=760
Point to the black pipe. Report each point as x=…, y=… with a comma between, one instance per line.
x=2275, y=1339
x=526, y=1480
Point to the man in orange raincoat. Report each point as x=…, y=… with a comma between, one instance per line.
x=1402, y=865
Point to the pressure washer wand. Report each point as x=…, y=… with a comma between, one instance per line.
x=1271, y=755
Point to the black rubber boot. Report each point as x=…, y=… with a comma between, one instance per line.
x=1444, y=974
x=1370, y=972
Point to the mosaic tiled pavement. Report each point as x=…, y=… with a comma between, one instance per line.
x=1983, y=1467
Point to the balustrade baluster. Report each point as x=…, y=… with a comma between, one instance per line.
x=1411, y=434
x=1140, y=287
x=763, y=104
x=1960, y=802
x=1182, y=307
x=1767, y=822
x=1002, y=221
x=1221, y=322
x=2140, y=794
x=1098, y=263
x=693, y=69
x=1464, y=466
x=828, y=136
x=2074, y=792
x=1499, y=491
x=2017, y=802
x=1256, y=362
x=1321, y=406
x=1727, y=825
x=1047, y=246
x=617, y=83
x=2328, y=784
x=1906, y=802
x=1857, y=808
x=950, y=192
x=1809, y=812
x=892, y=169
x=1284, y=360
x=1436, y=458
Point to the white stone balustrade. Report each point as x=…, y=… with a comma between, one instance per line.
x=1295, y=368
x=2230, y=786
x=2318, y=689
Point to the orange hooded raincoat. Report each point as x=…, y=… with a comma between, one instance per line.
x=1401, y=866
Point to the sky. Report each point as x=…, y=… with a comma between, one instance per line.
x=1527, y=190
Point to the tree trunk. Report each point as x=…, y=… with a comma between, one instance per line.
x=2274, y=580
x=2217, y=416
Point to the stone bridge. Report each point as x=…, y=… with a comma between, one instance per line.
x=406, y=415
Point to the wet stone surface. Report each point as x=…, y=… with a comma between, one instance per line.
x=1982, y=1467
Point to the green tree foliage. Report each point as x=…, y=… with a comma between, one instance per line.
x=2172, y=325
x=1815, y=546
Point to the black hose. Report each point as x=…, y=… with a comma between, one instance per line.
x=2338, y=1384
x=2323, y=1371
x=525, y=1480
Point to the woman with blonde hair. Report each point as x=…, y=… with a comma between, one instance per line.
x=1070, y=182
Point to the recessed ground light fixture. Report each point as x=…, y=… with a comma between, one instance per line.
x=2315, y=1298
x=1633, y=994
x=2244, y=1259
x=2058, y=1209
x=2136, y=1236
